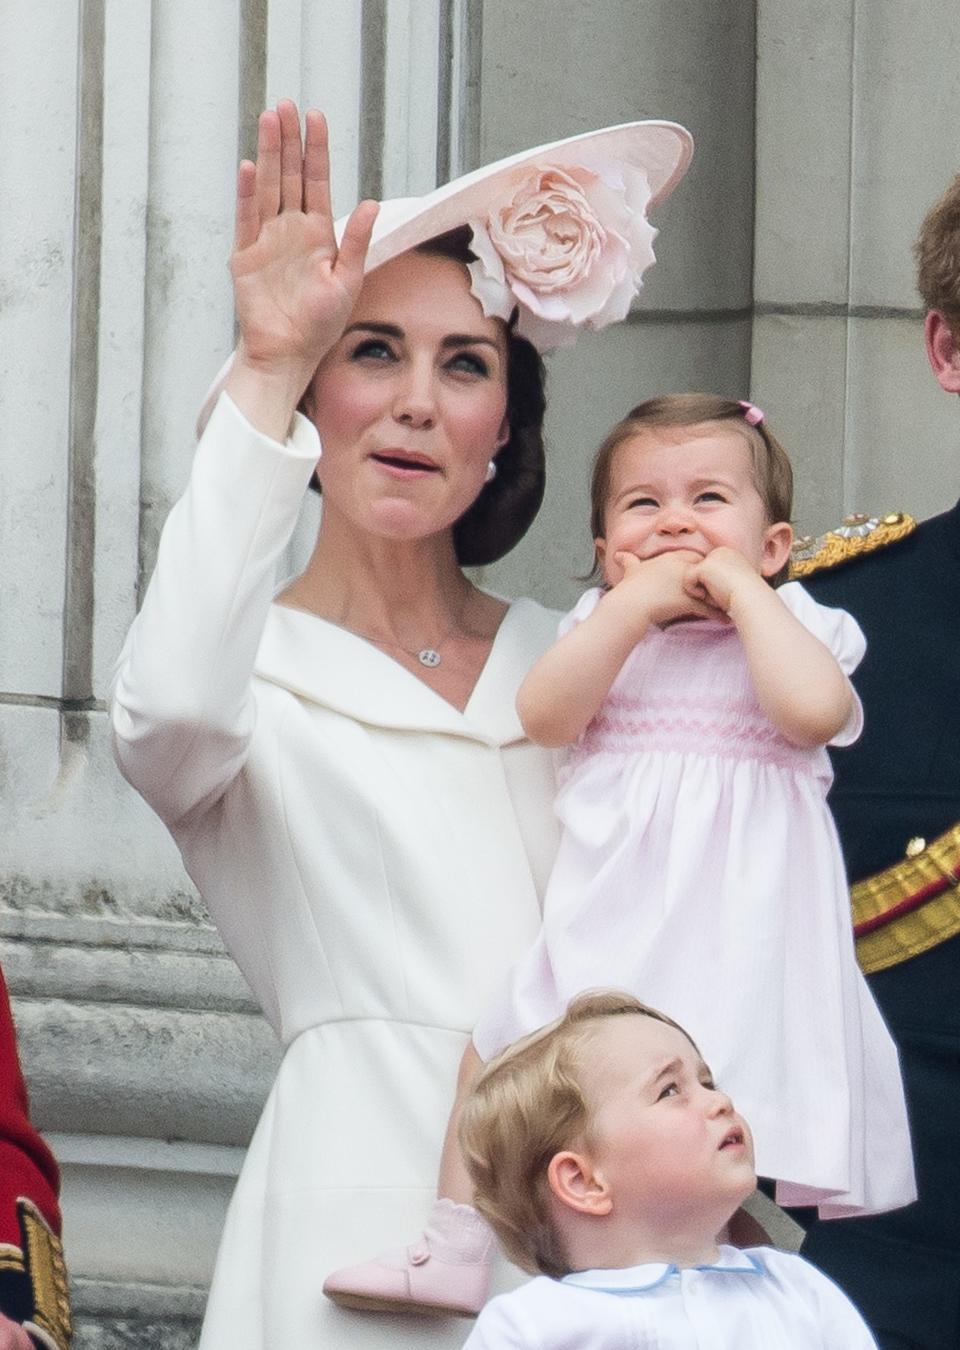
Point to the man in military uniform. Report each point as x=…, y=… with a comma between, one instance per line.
x=896, y=801
x=34, y=1303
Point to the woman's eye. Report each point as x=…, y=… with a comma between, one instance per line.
x=670, y=1090
x=373, y=348
x=469, y=363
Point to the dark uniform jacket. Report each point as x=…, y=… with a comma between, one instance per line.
x=896, y=792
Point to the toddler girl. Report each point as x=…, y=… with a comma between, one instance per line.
x=698, y=865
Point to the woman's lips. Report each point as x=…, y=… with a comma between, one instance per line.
x=405, y=463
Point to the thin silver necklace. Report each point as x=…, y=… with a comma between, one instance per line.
x=427, y=656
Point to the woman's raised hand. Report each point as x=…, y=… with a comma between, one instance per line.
x=294, y=286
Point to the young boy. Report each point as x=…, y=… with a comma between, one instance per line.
x=604, y=1157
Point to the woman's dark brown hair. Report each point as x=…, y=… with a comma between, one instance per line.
x=507, y=506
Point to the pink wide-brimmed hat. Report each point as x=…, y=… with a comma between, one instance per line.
x=560, y=232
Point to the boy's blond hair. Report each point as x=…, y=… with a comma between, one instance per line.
x=528, y=1105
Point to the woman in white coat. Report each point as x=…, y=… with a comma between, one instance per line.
x=341, y=764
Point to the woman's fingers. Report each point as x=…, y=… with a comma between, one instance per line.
x=352, y=252
x=247, y=225
x=293, y=174
x=285, y=250
x=268, y=164
x=316, y=174
x=291, y=156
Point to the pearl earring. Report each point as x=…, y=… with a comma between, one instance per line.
x=491, y=471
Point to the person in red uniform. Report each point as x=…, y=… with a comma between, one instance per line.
x=34, y=1302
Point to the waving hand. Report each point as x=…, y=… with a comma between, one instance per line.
x=294, y=287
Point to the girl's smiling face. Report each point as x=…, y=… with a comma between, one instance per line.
x=687, y=488
x=411, y=402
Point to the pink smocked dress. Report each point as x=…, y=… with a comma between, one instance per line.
x=699, y=868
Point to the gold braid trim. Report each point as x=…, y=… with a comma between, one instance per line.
x=11, y=1258
x=43, y=1253
x=854, y=537
x=892, y=917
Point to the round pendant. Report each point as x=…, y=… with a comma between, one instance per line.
x=429, y=657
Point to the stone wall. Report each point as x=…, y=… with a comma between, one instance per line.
x=855, y=114
x=121, y=122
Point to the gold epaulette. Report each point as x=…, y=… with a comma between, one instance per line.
x=911, y=907
x=855, y=536
x=38, y=1278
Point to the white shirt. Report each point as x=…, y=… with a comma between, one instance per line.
x=759, y=1299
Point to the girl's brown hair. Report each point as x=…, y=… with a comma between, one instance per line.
x=772, y=473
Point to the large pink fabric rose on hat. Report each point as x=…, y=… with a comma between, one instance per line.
x=567, y=248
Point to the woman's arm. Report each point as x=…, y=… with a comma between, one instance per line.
x=799, y=683
x=183, y=711
x=182, y=706
x=564, y=690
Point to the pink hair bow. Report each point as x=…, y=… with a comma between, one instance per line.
x=751, y=413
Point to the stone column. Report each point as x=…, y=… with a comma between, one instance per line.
x=856, y=110
x=553, y=70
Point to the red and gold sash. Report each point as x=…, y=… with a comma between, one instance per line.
x=912, y=906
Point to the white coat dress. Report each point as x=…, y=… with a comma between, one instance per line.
x=373, y=858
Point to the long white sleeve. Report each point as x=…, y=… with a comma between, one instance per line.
x=182, y=708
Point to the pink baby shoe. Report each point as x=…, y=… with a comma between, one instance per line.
x=447, y=1270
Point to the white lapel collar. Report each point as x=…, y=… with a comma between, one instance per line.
x=331, y=666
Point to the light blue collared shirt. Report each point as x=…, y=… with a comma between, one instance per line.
x=760, y=1299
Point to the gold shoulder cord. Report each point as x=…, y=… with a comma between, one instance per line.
x=853, y=538
x=43, y=1253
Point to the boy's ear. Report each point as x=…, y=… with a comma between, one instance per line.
x=600, y=548
x=777, y=543
x=577, y=1184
